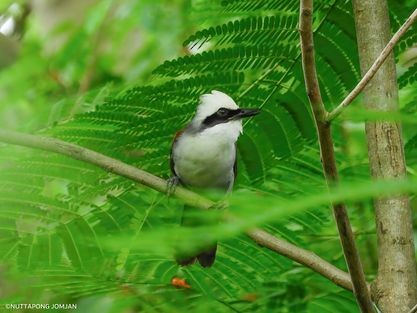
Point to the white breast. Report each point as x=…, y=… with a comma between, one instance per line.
x=206, y=159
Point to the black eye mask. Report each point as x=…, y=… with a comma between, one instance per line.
x=223, y=115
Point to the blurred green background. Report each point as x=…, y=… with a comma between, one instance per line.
x=60, y=58
x=120, y=77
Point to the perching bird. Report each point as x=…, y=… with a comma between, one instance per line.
x=203, y=155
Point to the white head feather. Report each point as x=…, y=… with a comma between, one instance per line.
x=211, y=103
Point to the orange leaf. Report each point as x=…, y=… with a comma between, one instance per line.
x=179, y=283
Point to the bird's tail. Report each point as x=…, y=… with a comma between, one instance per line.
x=208, y=256
x=205, y=257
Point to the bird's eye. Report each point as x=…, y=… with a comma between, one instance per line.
x=222, y=112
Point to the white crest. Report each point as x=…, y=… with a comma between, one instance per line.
x=211, y=102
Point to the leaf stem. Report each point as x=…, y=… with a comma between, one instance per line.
x=374, y=68
x=350, y=251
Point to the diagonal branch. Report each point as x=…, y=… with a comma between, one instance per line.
x=263, y=238
x=374, y=68
x=328, y=157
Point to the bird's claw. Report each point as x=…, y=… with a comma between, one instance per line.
x=220, y=205
x=172, y=184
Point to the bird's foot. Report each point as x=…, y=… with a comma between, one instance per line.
x=220, y=205
x=172, y=184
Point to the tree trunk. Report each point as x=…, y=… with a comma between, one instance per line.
x=394, y=289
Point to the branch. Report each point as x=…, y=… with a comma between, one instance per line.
x=92, y=60
x=111, y=165
x=374, y=68
x=394, y=290
x=350, y=251
x=302, y=256
x=413, y=309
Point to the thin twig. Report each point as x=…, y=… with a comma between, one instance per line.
x=374, y=68
x=289, y=68
x=350, y=251
x=297, y=254
x=413, y=309
x=90, y=69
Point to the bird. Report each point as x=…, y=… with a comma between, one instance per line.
x=203, y=155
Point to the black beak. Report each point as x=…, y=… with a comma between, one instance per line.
x=246, y=113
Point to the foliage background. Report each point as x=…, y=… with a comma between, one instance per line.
x=120, y=77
